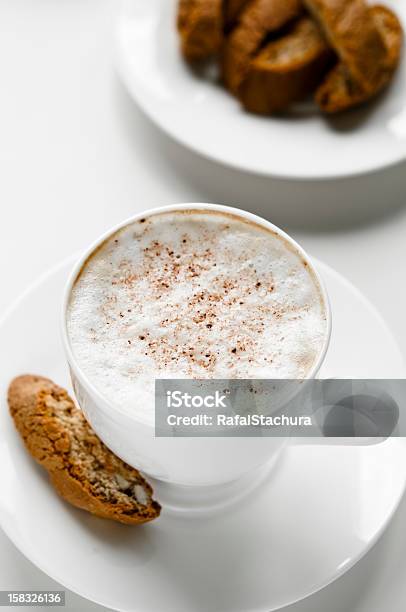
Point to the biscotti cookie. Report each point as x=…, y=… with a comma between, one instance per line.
x=287, y=69
x=257, y=20
x=353, y=33
x=200, y=25
x=339, y=91
x=81, y=468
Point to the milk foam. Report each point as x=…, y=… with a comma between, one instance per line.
x=193, y=295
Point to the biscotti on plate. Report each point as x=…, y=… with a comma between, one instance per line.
x=340, y=91
x=287, y=69
x=200, y=25
x=353, y=33
x=258, y=19
x=81, y=468
x=273, y=53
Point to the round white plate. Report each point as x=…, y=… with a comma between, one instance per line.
x=320, y=510
x=201, y=115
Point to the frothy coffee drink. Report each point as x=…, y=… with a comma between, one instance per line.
x=193, y=294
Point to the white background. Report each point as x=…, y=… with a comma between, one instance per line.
x=76, y=156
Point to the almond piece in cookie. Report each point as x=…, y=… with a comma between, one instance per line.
x=81, y=468
x=258, y=19
x=200, y=25
x=287, y=69
x=353, y=33
x=339, y=91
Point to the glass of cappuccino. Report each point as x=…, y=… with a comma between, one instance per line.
x=191, y=291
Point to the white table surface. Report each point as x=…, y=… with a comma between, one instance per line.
x=76, y=156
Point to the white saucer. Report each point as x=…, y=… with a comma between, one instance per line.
x=203, y=116
x=319, y=511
